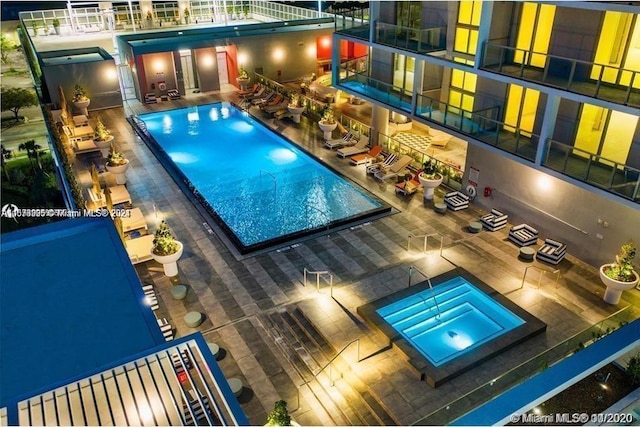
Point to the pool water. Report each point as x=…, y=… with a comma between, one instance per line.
x=463, y=319
x=263, y=188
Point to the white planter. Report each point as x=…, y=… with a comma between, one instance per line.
x=119, y=172
x=82, y=106
x=104, y=145
x=327, y=128
x=429, y=185
x=243, y=83
x=615, y=287
x=295, y=112
x=170, y=262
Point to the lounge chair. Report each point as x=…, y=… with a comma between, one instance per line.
x=150, y=98
x=134, y=221
x=366, y=158
x=409, y=186
x=257, y=94
x=253, y=90
x=275, y=107
x=276, y=99
x=388, y=161
x=283, y=113
x=174, y=94
x=119, y=194
x=347, y=139
x=266, y=96
x=139, y=249
x=166, y=329
x=360, y=147
x=81, y=146
x=393, y=170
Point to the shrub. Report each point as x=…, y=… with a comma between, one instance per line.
x=163, y=241
x=280, y=415
x=622, y=268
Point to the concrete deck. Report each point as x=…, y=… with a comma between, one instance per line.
x=367, y=262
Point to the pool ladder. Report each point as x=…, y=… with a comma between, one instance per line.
x=433, y=294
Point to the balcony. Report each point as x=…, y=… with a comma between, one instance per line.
x=411, y=39
x=354, y=23
x=482, y=125
x=565, y=73
x=616, y=178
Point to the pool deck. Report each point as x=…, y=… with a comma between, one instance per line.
x=238, y=296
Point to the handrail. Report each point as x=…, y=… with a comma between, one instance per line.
x=426, y=239
x=330, y=364
x=318, y=274
x=275, y=179
x=543, y=271
x=433, y=294
x=317, y=209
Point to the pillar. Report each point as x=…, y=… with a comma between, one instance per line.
x=379, y=122
x=548, y=125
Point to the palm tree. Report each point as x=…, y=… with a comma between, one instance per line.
x=33, y=152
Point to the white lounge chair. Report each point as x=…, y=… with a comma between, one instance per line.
x=393, y=170
x=139, y=249
x=134, y=221
x=119, y=194
x=360, y=147
x=391, y=158
x=348, y=139
x=81, y=146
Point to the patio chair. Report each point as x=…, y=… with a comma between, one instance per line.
x=81, y=146
x=166, y=329
x=456, y=200
x=359, y=147
x=150, y=98
x=266, y=96
x=253, y=90
x=347, y=139
x=174, y=94
x=552, y=251
x=409, y=186
x=388, y=161
x=366, y=158
x=523, y=235
x=139, y=249
x=393, y=170
x=257, y=94
x=495, y=220
x=275, y=107
x=276, y=99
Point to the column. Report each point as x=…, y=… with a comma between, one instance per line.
x=379, y=123
x=548, y=125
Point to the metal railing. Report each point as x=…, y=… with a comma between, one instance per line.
x=614, y=177
x=330, y=365
x=354, y=23
x=412, y=39
x=584, y=77
x=469, y=401
x=318, y=274
x=425, y=241
x=361, y=83
x=542, y=271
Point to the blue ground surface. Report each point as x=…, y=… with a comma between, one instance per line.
x=70, y=302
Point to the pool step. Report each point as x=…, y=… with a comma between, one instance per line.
x=350, y=401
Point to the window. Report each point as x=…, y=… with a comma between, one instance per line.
x=605, y=132
x=466, y=40
x=616, y=38
x=403, y=71
x=522, y=106
x=534, y=34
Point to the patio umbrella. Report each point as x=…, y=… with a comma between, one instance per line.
x=95, y=180
x=118, y=224
x=108, y=201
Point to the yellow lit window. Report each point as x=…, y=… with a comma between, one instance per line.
x=534, y=34
x=522, y=106
x=611, y=45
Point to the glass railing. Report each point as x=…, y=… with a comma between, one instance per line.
x=414, y=40
x=354, y=23
x=593, y=169
x=454, y=410
x=481, y=125
x=451, y=172
x=613, y=84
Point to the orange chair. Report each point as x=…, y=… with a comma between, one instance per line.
x=366, y=158
x=409, y=186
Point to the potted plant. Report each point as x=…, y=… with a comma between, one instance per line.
x=186, y=15
x=619, y=275
x=327, y=123
x=230, y=11
x=56, y=25
x=80, y=100
x=245, y=9
x=166, y=250
x=102, y=138
x=633, y=368
x=430, y=178
x=295, y=107
x=243, y=78
x=117, y=164
x=280, y=415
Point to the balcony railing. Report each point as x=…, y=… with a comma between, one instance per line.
x=354, y=23
x=596, y=170
x=482, y=125
x=565, y=73
x=411, y=39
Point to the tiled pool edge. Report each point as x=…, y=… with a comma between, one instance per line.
x=435, y=376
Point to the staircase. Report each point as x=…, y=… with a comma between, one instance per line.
x=350, y=401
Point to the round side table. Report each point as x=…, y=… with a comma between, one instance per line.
x=527, y=253
x=475, y=227
x=193, y=319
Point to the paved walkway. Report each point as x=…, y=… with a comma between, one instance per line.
x=367, y=261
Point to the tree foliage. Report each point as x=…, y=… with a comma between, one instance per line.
x=15, y=98
x=6, y=47
x=280, y=415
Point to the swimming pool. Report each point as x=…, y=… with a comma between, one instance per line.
x=450, y=320
x=470, y=324
x=257, y=186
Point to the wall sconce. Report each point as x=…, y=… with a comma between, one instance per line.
x=111, y=74
x=325, y=42
x=278, y=54
x=242, y=59
x=207, y=60
x=158, y=65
